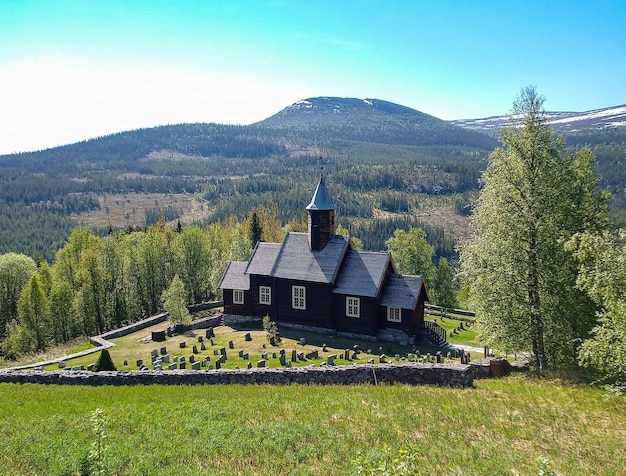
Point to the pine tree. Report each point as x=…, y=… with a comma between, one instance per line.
x=104, y=362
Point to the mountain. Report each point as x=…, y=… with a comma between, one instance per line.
x=562, y=122
x=370, y=120
x=388, y=166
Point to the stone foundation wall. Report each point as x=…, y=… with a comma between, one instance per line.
x=450, y=375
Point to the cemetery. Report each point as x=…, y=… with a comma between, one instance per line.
x=213, y=352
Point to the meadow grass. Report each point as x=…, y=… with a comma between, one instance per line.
x=499, y=427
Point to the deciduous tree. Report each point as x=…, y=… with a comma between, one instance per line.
x=534, y=198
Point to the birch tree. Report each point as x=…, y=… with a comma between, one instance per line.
x=522, y=281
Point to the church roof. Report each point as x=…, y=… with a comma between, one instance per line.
x=402, y=291
x=235, y=276
x=362, y=273
x=297, y=261
x=321, y=199
x=263, y=258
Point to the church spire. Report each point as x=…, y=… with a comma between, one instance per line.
x=321, y=212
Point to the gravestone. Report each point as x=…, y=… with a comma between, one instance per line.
x=231, y=344
x=210, y=367
x=246, y=356
x=195, y=366
x=163, y=350
x=212, y=344
x=153, y=358
x=166, y=358
x=173, y=366
x=302, y=341
x=330, y=360
x=241, y=353
x=62, y=364
x=223, y=351
x=282, y=351
x=272, y=340
x=249, y=365
x=248, y=337
x=158, y=365
x=203, y=363
x=202, y=346
x=192, y=359
x=261, y=364
x=176, y=358
x=324, y=349
x=182, y=365
x=182, y=345
x=218, y=365
x=355, y=355
x=294, y=355
x=182, y=360
x=300, y=356
x=273, y=355
x=216, y=352
x=313, y=354
x=346, y=354
x=158, y=336
x=383, y=358
x=207, y=333
x=282, y=359
x=195, y=349
x=200, y=339
x=125, y=363
x=439, y=357
x=139, y=362
x=154, y=353
x=264, y=355
x=89, y=367
x=168, y=331
x=370, y=361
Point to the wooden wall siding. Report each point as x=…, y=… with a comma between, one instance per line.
x=366, y=324
x=321, y=228
x=318, y=298
x=408, y=324
x=256, y=308
x=244, y=309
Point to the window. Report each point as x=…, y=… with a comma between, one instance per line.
x=394, y=314
x=265, y=295
x=298, y=297
x=237, y=296
x=353, y=307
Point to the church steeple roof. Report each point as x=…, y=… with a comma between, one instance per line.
x=321, y=199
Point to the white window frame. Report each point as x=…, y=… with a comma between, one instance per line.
x=238, y=296
x=353, y=306
x=394, y=314
x=265, y=295
x=298, y=297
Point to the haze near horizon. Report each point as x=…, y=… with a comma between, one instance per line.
x=70, y=71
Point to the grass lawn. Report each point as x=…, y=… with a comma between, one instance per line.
x=467, y=336
x=498, y=427
x=139, y=345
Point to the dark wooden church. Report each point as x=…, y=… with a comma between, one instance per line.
x=317, y=279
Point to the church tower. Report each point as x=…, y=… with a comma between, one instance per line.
x=321, y=212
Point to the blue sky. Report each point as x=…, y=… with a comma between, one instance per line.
x=72, y=70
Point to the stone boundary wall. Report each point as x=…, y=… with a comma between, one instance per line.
x=101, y=341
x=449, y=375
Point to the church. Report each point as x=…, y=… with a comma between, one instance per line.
x=317, y=279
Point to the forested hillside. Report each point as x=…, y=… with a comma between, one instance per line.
x=387, y=166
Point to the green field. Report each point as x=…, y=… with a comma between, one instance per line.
x=466, y=336
x=499, y=427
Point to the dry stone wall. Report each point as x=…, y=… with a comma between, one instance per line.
x=449, y=375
